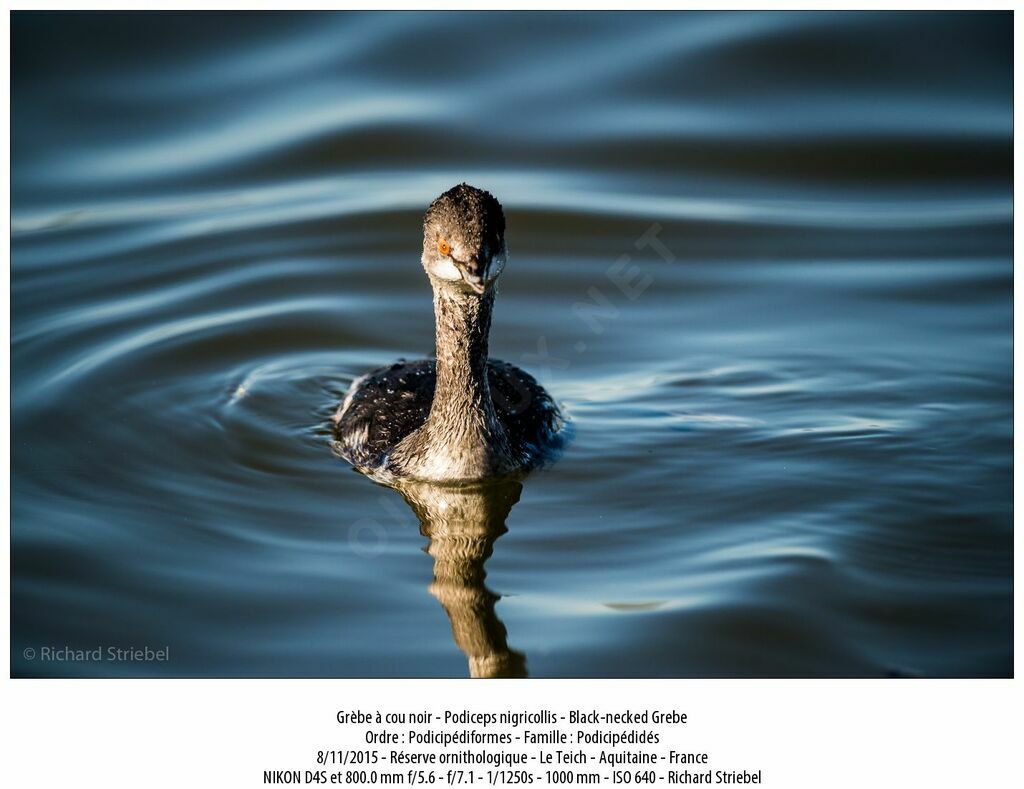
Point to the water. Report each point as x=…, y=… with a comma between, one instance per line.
x=791, y=402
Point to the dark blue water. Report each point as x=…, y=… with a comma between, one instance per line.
x=791, y=401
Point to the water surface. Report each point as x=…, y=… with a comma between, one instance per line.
x=763, y=260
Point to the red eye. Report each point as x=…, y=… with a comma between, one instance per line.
x=443, y=247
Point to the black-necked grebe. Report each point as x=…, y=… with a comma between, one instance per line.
x=462, y=416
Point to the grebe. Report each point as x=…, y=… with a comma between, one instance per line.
x=462, y=416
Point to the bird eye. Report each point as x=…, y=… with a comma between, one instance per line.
x=443, y=247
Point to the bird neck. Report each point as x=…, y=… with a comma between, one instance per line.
x=462, y=437
x=462, y=324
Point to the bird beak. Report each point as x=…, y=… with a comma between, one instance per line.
x=476, y=283
x=471, y=278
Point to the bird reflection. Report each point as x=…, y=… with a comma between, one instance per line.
x=462, y=524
